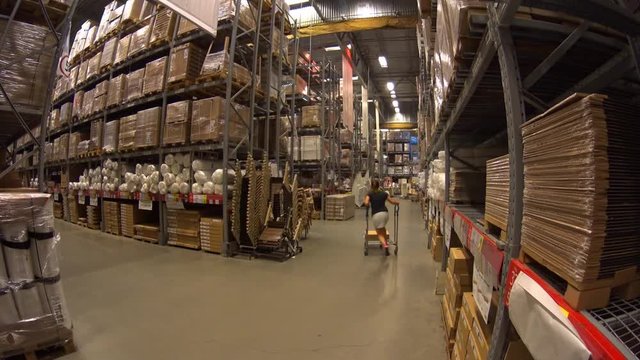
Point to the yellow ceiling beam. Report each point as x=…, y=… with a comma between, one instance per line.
x=404, y=125
x=395, y=22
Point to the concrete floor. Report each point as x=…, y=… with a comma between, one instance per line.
x=133, y=300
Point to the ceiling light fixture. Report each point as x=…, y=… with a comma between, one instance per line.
x=393, y=96
x=354, y=78
x=383, y=61
x=390, y=86
x=332, y=48
x=395, y=103
x=370, y=100
x=397, y=110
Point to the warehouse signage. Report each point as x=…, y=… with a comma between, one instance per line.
x=203, y=13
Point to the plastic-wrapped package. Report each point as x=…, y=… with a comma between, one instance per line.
x=207, y=121
x=74, y=139
x=79, y=40
x=100, y=96
x=87, y=103
x=34, y=310
x=147, y=125
x=25, y=81
x=82, y=72
x=93, y=68
x=54, y=119
x=117, y=88
x=60, y=146
x=132, y=11
x=139, y=40
x=311, y=116
x=110, y=137
x=66, y=113
x=154, y=76
x=227, y=11
x=78, y=101
x=127, y=133
x=108, y=53
x=186, y=63
x=163, y=26
x=115, y=18
x=122, y=50
x=217, y=65
x=135, y=82
x=73, y=76
x=104, y=20
x=177, y=123
x=95, y=135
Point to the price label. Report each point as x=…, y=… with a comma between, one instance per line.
x=447, y=234
x=145, y=205
x=482, y=293
x=199, y=199
x=93, y=201
x=174, y=202
x=81, y=199
x=217, y=201
x=475, y=245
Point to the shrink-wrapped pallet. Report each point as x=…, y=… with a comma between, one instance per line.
x=110, y=137
x=177, y=123
x=73, y=76
x=117, y=89
x=154, y=76
x=100, y=96
x=132, y=11
x=95, y=135
x=186, y=26
x=311, y=116
x=163, y=26
x=127, y=133
x=581, y=198
x=26, y=80
x=54, y=119
x=93, y=67
x=147, y=128
x=186, y=63
x=82, y=72
x=497, y=194
x=139, y=40
x=207, y=121
x=79, y=40
x=66, y=113
x=216, y=65
x=104, y=20
x=34, y=310
x=122, y=50
x=74, y=140
x=227, y=11
x=78, y=101
x=135, y=82
x=108, y=53
x=87, y=104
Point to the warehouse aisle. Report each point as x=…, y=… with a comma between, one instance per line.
x=132, y=300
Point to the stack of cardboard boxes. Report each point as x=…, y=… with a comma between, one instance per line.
x=177, y=123
x=340, y=207
x=211, y=234
x=184, y=228
x=112, y=217
x=458, y=280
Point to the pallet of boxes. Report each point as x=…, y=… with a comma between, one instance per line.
x=339, y=207
x=467, y=334
x=33, y=312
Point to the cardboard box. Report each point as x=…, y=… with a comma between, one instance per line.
x=117, y=90
x=186, y=27
x=165, y=22
x=216, y=65
x=147, y=128
x=110, y=138
x=462, y=335
x=177, y=123
x=135, y=83
x=95, y=135
x=154, y=76
x=132, y=11
x=311, y=116
x=186, y=63
x=211, y=231
x=460, y=262
x=78, y=101
x=207, y=121
x=139, y=40
x=127, y=133
x=87, y=104
x=109, y=53
x=436, y=247
x=122, y=50
x=100, y=96
x=93, y=68
x=449, y=320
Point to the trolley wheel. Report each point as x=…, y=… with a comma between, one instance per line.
x=395, y=252
x=366, y=253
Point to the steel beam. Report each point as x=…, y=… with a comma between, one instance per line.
x=447, y=185
x=634, y=45
x=514, y=107
x=555, y=55
x=610, y=71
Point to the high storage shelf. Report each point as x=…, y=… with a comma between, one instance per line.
x=589, y=49
x=249, y=46
x=388, y=144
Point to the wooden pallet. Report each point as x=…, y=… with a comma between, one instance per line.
x=180, y=84
x=590, y=294
x=90, y=154
x=146, y=239
x=184, y=245
x=150, y=93
x=212, y=251
x=495, y=230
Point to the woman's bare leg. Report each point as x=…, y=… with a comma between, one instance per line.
x=382, y=236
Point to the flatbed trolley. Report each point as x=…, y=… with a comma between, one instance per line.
x=372, y=236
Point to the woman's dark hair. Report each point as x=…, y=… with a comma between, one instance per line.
x=375, y=184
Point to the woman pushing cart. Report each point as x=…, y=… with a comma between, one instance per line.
x=376, y=199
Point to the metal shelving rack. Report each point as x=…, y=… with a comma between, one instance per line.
x=248, y=46
x=501, y=32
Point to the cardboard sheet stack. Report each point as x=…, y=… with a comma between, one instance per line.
x=154, y=73
x=458, y=281
x=581, y=198
x=34, y=309
x=435, y=182
x=312, y=148
x=112, y=217
x=177, y=123
x=211, y=234
x=216, y=65
x=227, y=11
x=339, y=207
x=186, y=63
x=163, y=26
x=147, y=132
x=147, y=232
x=207, y=121
x=110, y=136
x=497, y=195
x=466, y=186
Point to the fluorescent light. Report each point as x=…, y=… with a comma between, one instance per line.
x=390, y=86
x=392, y=92
x=354, y=78
x=295, y=2
x=393, y=96
x=395, y=103
x=397, y=110
x=370, y=100
x=332, y=48
x=383, y=61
